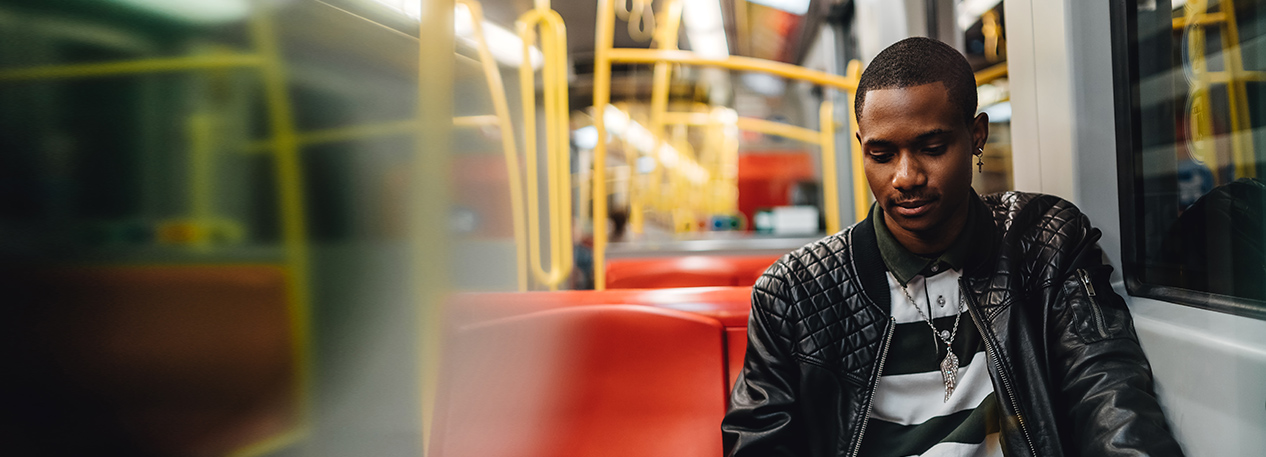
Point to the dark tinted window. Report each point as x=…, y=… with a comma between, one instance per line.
x=1190, y=80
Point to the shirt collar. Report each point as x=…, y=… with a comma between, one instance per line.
x=905, y=265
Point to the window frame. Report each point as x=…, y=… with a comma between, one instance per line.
x=1125, y=84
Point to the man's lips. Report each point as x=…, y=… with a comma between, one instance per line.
x=913, y=208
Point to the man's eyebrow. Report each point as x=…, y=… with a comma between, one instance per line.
x=932, y=133
x=878, y=142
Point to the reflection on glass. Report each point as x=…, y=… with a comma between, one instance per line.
x=1199, y=220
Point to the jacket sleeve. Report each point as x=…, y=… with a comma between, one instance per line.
x=762, y=417
x=1106, y=391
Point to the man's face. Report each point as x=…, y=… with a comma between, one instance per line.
x=917, y=154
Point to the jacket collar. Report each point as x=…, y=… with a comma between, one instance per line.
x=870, y=263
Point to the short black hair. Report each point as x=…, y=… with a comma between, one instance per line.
x=916, y=61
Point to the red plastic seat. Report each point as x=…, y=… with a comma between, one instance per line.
x=686, y=271
x=605, y=380
x=728, y=305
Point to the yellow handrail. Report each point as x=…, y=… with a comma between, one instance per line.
x=605, y=55
x=741, y=63
x=750, y=124
x=1195, y=18
x=824, y=138
x=268, y=61
x=830, y=178
x=666, y=38
x=131, y=67
x=558, y=153
x=861, y=189
x=603, y=36
x=502, y=120
x=992, y=73
x=290, y=189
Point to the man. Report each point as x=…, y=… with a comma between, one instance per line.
x=944, y=323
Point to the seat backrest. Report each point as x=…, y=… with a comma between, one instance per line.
x=686, y=271
x=604, y=380
x=728, y=305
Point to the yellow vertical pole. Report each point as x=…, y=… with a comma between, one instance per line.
x=201, y=175
x=564, y=248
x=1237, y=96
x=830, y=175
x=430, y=196
x=290, y=189
x=1201, y=124
x=557, y=144
x=666, y=39
x=861, y=189
x=601, y=98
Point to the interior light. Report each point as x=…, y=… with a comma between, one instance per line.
x=705, y=28
x=998, y=112
x=969, y=11
x=791, y=6
x=195, y=11
x=411, y=8
x=619, y=125
x=764, y=83
x=506, y=47
x=585, y=137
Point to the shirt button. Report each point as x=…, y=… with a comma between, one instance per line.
x=936, y=268
x=940, y=300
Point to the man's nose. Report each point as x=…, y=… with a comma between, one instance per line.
x=909, y=173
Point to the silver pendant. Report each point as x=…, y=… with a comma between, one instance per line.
x=949, y=372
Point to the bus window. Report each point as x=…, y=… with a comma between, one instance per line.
x=1192, y=199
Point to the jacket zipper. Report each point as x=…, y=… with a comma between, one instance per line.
x=992, y=352
x=1090, y=291
x=883, y=356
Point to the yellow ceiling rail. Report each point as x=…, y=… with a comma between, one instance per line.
x=1199, y=19
x=750, y=124
x=557, y=142
x=1202, y=144
x=358, y=132
x=990, y=74
x=483, y=120
x=605, y=55
x=268, y=61
x=794, y=132
x=502, y=120
x=740, y=63
x=825, y=138
x=132, y=67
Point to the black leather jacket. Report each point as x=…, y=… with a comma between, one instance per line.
x=1063, y=356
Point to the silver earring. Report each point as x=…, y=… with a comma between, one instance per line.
x=980, y=162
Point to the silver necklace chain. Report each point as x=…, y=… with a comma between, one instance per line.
x=949, y=366
x=937, y=333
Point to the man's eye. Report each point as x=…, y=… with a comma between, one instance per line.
x=880, y=156
x=934, y=149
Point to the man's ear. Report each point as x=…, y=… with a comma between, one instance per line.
x=859, y=137
x=980, y=131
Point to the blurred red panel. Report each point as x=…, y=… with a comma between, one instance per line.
x=765, y=179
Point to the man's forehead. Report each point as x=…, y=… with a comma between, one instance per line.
x=934, y=93
x=927, y=104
